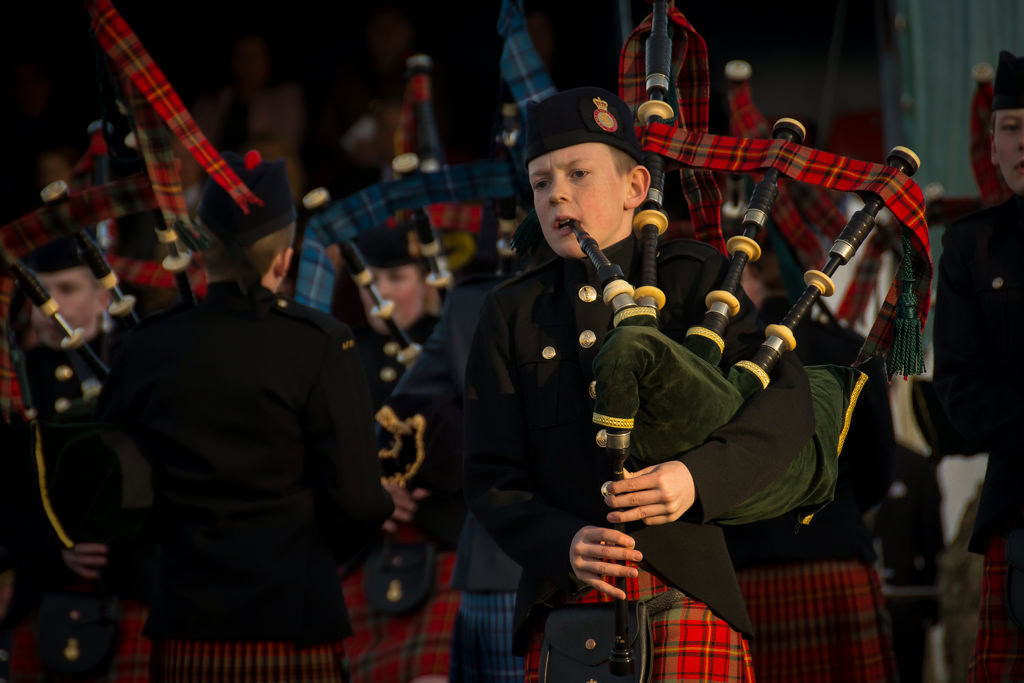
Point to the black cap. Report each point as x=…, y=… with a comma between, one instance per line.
x=580, y=115
x=268, y=181
x=1009, y=86
x=387, y=247
x=58, y=255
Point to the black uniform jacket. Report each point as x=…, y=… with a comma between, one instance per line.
x=979, y=334
x=380, y=356
x=256, y=418
x=533, y=471
x=865, y=466
x=480, y=565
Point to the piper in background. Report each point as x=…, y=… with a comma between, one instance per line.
x=256, y=417
x=979, y=320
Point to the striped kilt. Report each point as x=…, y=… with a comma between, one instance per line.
x=130, y=663
x=199, y=661
x=689, y=642
x=818, y=621
x=999, y=649
x=397, y=649
x=482, y=640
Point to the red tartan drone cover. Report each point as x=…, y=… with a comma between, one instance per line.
x=686, y=141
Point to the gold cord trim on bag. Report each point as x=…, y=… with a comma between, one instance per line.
x=633, y=311
x=614, y=422
x=849, y=411
x=756, y=370
x=44, y=493
x=707, y=334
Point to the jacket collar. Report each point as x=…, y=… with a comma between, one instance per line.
x=227, y=295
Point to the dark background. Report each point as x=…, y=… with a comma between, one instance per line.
x=310, y=42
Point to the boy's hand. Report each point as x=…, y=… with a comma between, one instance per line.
x=85, y=559
x=591, y=546
x=658, y=494
x=405, y=505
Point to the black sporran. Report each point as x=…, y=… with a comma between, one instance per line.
x=578, y=640
x=76, y=632
x=399, y=576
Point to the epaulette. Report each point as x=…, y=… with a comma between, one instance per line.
x=311, y=316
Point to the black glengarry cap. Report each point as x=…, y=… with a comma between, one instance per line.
x=1009, y=85
x=580, y=115
x=269, y=181
x=60, y=254
x=387, y=247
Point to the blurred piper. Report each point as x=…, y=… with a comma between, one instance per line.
x=977, y=324
x=400, y=275
x=256, y=418
x=56, y=380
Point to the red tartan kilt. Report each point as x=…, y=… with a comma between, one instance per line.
x=397, y=649
x=689, y=642
x=818, y=621
x=131, y=657
x=180, y=661
x=999, y=649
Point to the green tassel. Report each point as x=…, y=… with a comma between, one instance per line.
x=528, y=235
x=906, y=356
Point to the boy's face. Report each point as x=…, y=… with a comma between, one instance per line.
x=1008, y=147
x=582, y=182
x=405, y=286
x=81, y=300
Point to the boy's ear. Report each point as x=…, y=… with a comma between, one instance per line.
x=638, y=182
x=285, y=261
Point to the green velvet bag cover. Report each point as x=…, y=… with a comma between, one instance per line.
x=673, y=399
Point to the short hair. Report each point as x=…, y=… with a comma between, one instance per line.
x=260, y=253
x=624, y=163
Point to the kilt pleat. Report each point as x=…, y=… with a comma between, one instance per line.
x=999, y=648
x=201, y=661
x=482, y=640
x=130, y=663
x=690, y=643
x=397, y=649
x=818, y=621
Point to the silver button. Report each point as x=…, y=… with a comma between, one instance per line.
x=602, y=438
x=282, y=303
x=549, y=352
x=587, y=338
x=998, y=282
x=392, y=348
x=588, y=293
x=62, y=404
x=63, y=373
x=388, y=373
x=593, y=389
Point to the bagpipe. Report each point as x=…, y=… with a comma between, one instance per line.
x=644, y=378
x=418, y=109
